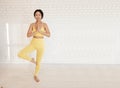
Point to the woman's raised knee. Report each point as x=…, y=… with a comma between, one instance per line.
x=20, y=54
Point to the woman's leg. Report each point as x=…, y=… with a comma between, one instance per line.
x=25, y=51
x=39, y=46
x=39, y=55
x=38, y=60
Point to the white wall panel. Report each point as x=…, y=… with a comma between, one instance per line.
x=82, y=31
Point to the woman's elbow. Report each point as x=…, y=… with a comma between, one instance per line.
x=28, y=35
x=48, y=35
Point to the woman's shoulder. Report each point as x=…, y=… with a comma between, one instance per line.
x=44, y=23
x=32, y=24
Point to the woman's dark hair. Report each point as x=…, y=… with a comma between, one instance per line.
x=39, y=10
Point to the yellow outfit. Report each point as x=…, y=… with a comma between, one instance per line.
x=35, y=44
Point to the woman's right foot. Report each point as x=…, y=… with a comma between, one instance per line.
x=33, y=61
x=36, y=79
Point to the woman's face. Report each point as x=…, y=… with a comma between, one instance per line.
x=38, y=16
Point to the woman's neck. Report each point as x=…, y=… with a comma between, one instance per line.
x=38, y=22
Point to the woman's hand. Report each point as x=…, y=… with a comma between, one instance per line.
x=46, y=33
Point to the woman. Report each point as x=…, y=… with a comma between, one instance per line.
x=37, y=30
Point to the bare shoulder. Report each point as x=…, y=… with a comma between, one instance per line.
x=31, y=24
x=44, y=24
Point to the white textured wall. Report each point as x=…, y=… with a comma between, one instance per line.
x=82, y=31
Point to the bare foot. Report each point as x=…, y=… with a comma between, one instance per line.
x=36, y=79
x=33, y=61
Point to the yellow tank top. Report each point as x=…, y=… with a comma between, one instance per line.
x=38, y=33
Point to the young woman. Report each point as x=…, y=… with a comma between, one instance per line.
x=37, y=30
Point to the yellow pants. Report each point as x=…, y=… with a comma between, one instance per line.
x=35, y=44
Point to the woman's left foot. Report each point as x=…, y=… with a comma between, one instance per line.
x=33, y=61
x=36, y=79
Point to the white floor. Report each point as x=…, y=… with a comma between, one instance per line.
x=60, y=76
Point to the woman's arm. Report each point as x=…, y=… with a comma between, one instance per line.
x=47, y=33
x=30, y=33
